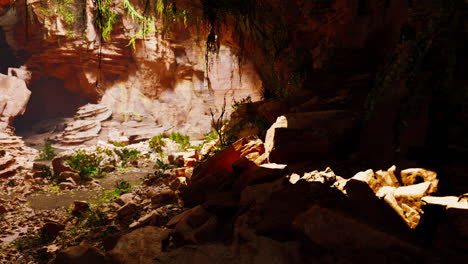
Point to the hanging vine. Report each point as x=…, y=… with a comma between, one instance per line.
x=105, y=18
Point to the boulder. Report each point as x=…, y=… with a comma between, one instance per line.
x=218, y=171
x=79, y=255
x=140, y=246
x=14, y=96
x=60, y=165
x=365, y=205
x=51, y=229
x=222, y=203
x=67, y=185
x=333, y=229
x=164, y=197
x=270, y=208
x=247, y=249
x=415, y=191
x=178, y=183
x=388, y=177
x=3, y=210
x=64, y=175
x=128, y=210
x=327, y=177
x=154, y=218
x=194, y=226
x=444, y=225
x=263, y=173
x=271, y=109
x=125, y=198
x=418, y=175
x=79, y=207
x=316, y=135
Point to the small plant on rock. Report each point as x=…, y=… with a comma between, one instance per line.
x=47, y=153
x=87, y=164
x=218, y=123
x=119, y=144
x=157, y=143
x=182, y=140
x=213, y=135
x=126, y=154
x=121, y=187
x=237, y=104
x=161, y=165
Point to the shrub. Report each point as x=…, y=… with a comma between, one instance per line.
x=157, y=143
x=121, y=187
x=119, y=144
x=47, y=153
x=213, y=135
x=182, y=140
x=126, y=154
x=87, y=164
x=161, y=165
x=237, y=104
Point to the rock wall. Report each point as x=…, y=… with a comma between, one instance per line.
x=165, y=79
x=392, y=64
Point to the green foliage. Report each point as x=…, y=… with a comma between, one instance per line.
x=105, y=151
x=146, y=22
x=163, y=10
x=213, y=135
x=105, y=18
x=119, y=144
x=126, y=154
x=47, y=153
x=182, y=140
x=46, y=172
x=218, y=123
x=237, y=104
x=30, y=240
x=73, y=12
x=94, y=217
x=161, y=165
x=121, y=187
x=87, y=164
x=157, y=143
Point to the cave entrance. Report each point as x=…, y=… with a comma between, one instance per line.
x=49, y=107
x=7, y=57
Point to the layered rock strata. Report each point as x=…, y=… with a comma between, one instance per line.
x=85, y=127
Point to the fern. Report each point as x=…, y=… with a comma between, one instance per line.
x=131, y=10
x=105, y=18
x=160, y=6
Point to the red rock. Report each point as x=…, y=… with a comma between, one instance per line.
x=14, y=96
x=51, y=229
x=69, y=174
x=125, y=198
x=154, y=218
x=128, y=210
x=59, y=165
x=194, y=226
x=413, y=176
x=80, y=254
x=164, y=197
x=2, y=210
x=79, y=207
x=333, y=229
x=263, y=173
x=67, y=185
x=140, y=246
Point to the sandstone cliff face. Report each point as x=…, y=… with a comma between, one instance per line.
x=392, y=64
x=164, y=79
